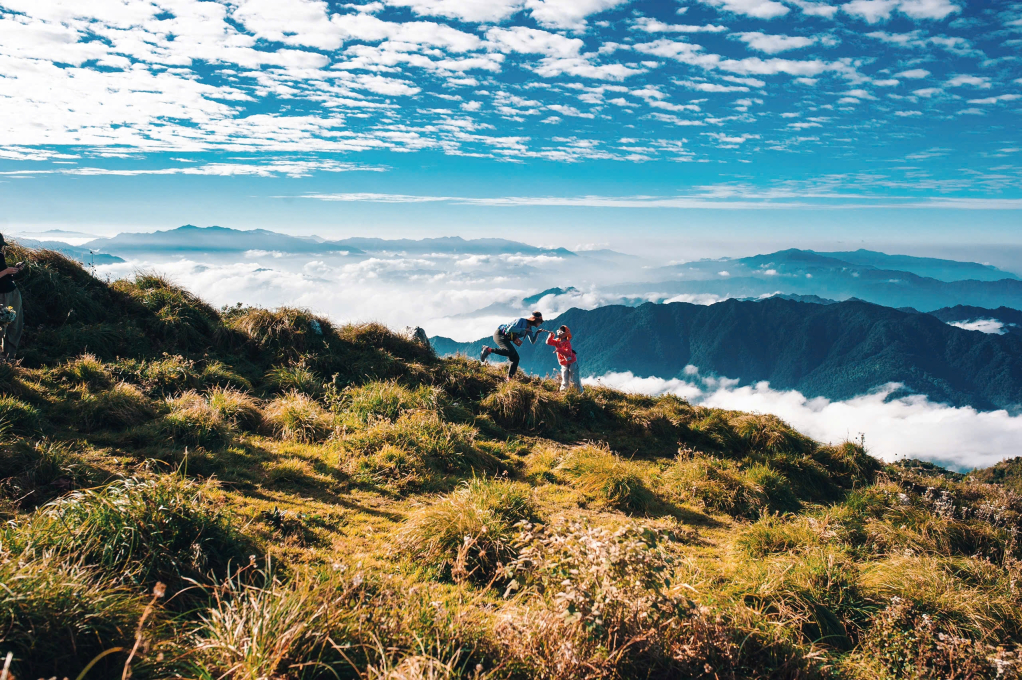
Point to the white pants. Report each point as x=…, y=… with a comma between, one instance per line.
x=569, y=377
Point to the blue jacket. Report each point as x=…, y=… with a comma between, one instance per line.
x=519, y=329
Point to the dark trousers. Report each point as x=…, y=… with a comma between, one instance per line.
x=506, y=348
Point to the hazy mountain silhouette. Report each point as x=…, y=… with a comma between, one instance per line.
x=803, y=272
x=833, y=350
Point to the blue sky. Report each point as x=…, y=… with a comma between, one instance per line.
x=728, y=122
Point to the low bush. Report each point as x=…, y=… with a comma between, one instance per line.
x=32, y=472
x=138, y=531
x=193, y=421
x=815, y=593
x=236, y=408
x=604, y=478
x=123, y=405
x=297, y=417
x=273, y=630
x=718, y=485
x=295, y=377
x=468, y=534
x=386, y=399
x=397, y=467
x=521, y=405
x=58, y=615
x=86, y=370
x=446, y=447
x=218, y=374
x=16, y=416
x=286, y=332
x=906, y=643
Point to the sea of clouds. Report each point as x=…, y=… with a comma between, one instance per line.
x=464, y=296
x=894, y=428
x=460, y=296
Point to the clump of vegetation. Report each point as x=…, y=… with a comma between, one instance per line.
x=297, y=417
x=445, y=447
x=138, y=531
x=296, y=377
x=605, y=478
x=518, y=404
x=16, y=416
x=58, y=612
x=469, y=534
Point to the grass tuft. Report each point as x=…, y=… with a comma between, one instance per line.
x=297, y=417
x=603, y=477
x=468, y=535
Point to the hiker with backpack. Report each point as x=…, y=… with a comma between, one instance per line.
x=509, y=335
x=566, y=357
x=10, y=306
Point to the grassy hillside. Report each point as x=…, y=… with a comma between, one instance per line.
x=238, y=493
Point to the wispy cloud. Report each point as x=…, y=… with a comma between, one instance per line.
x=909, y=427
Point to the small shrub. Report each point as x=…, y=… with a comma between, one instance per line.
x=123, y=405
x=387, y=399
x=378, y=336
x=392, y=465
x=604, y=477
x=286, y=332
x=193, y=421
x=33, y=472
x=297, y=417
x=168, y=376
x=138, y=530
x=295, y=378
x=446, y=447
x=58, y=615
x=219, y=374
x=517, y=404
x=179, y=319
x=469, y=534
x=236, y=408
x=17, y=416
x=605, y=606
x=772, y=534
x=906, y=643
x=718, y=485
x=85, y=370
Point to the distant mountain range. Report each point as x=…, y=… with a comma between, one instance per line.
x=1000, y=321
x=837, y=350
x=803, y=272
x=80, y=253
x=190, y=238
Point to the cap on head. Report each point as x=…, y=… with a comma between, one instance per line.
x=537, y=317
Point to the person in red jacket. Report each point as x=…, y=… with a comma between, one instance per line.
x=566, y=357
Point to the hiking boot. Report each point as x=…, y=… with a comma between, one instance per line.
x=485, y=354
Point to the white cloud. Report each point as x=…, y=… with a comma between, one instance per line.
x=568, y=13
x=760, y=9
x=582, y=67
x=909, y=427
x=654, y=26
x=990, y=326
x=533, y=41
x=711, y=87
x=772, y=44
x=818, y=9
x=913, y=74
x=465, y=10
x=874, y=11
x=981, y=82
x=996, y=100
